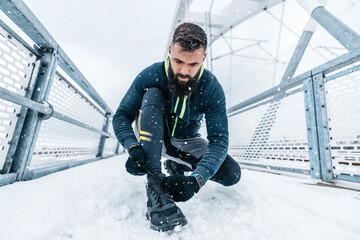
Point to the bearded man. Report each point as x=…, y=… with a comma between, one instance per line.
x=168, y=100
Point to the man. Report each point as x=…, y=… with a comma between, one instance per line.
x=168, y=101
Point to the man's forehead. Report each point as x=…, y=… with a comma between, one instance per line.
x=179, y=48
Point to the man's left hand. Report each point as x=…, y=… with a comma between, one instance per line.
x=180, y=187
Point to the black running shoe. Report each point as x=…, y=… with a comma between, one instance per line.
x=162, y=212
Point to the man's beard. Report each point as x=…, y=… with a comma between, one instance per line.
x=178, y=88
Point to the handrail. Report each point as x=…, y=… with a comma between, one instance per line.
x=42, y=108
x=328, y=67
x=22, y=16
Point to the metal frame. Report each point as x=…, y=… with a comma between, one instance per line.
x=36, y=173
x=34, y=108
x=322, y=128
x=312, y=134
x=21, y=118
x=22, y=16
x=103, y=137
x=32, y=123
x=312, y=82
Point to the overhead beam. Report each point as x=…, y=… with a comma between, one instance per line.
x=340, y=31
x=233, y=14
x=237, y=12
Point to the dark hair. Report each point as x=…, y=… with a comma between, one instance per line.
x=190, y=37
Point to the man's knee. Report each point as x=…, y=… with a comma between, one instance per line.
x=229, y=172
x=153, y=97
x=234, y=176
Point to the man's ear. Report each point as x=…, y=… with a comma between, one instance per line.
x=170, y=49
x=204, y=57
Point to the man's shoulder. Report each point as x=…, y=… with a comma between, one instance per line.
x=155, y=67
x=209, y=80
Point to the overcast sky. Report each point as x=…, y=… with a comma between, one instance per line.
x=109, y=41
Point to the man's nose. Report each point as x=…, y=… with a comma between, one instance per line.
x=184, y=70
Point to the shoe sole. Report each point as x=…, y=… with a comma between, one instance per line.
x=168, y=227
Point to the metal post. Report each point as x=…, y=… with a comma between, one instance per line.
x=323, y=128
x=311, y=126
x=20, y=122
x=117, y=148
x=209, y=46
x=30, y=131
x=318, y=129
x=103, y=138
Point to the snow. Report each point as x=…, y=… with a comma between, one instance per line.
x=101, y=201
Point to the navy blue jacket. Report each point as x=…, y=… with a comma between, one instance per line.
x=207, y=100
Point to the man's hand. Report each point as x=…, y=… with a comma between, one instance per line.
x=180, y=187
x=136, y=163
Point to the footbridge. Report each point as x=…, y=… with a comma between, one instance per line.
x=290, y=72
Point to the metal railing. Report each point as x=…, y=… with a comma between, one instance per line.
x=307, y=124
x=51, y=118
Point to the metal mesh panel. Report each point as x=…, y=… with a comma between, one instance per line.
x=60, y=142
x=273, y=134
x=70, y=102
x=343, y=105
x=16, y=65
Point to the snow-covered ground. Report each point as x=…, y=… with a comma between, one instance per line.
x=101, y=201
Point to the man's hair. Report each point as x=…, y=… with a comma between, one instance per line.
x=190, y=37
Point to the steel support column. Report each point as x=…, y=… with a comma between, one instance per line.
x=103, y=138
x=323, y=128
x=209, y=59
x=318, y=129
x=311, y=126
x=30, y=131
x=117, y=148
x=20, y=122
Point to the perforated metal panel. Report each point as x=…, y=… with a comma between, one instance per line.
x=273, y=134
x=60, y=142
x=66, y=99
x=16, y=65
x=343, y=107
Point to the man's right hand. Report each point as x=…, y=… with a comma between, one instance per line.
x=136, y=163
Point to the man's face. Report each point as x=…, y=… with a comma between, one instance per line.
x=185, y=64
x=184, y=69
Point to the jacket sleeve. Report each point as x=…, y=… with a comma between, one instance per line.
x=217, y=131
x=129, y=109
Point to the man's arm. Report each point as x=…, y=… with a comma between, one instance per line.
x=217, y=131
x=128, y=110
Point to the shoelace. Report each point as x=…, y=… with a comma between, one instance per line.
x=160, y=197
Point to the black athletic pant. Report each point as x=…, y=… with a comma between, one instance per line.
x=154, y=133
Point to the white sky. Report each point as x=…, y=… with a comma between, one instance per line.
x=109, y=41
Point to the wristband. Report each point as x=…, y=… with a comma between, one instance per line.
x=199, y=179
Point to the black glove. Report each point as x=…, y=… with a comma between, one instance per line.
x=180, y=187
x=136, y=163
